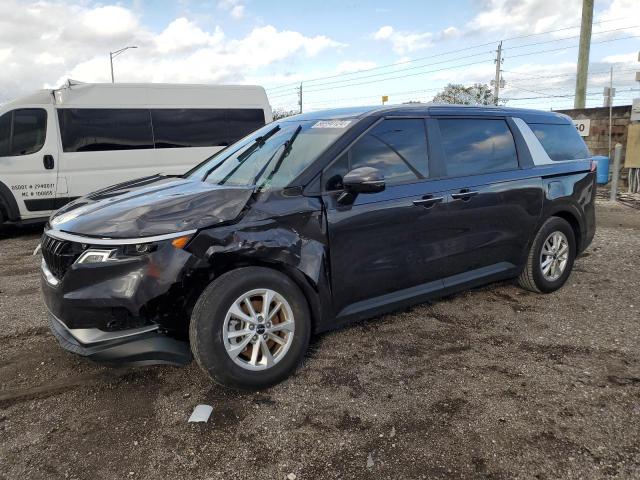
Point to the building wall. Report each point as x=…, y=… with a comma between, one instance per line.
x=598, y=138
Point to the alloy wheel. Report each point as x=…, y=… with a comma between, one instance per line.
x=554, y=256
x=258, y=329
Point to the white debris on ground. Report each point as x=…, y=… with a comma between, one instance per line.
x=201, y=413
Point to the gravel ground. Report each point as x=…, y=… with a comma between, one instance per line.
x=491, y=383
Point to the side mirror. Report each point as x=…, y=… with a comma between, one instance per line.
x=361, y=180
x=364, y=180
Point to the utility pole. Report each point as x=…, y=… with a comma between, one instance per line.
x=497, y=82
x=300, y=97
x=583, y=54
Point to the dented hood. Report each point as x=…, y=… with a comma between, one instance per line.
x=151, y=206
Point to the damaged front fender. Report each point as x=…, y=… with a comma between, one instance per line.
x=284, y=232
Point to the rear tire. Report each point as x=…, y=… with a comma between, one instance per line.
x=233, y=335
x=550, y=258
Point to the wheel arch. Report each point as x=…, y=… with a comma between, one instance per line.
x=573, y=221
x=313, y=292
x=8, y=204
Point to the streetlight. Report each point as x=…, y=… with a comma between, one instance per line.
x=112, y=55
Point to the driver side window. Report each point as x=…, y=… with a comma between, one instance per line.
x=396, y=147
x=22, y=131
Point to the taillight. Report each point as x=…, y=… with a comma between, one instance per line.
x=594, y=165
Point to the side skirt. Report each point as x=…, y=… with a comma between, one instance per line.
x=421, y=293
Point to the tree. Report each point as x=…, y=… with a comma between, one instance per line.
x=279, y=113
x=477, y=94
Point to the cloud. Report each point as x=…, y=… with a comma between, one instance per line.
x=182, y=34
x=403, y=42
x=449, y=32
x=44, y=43
x=620, y=13
x=237, y=11
x=349, y=66
x=622, y=58
x=525, y=16
x=235, y=8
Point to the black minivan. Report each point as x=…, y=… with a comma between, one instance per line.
x=311, y=222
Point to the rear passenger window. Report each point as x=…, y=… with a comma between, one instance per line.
x=477, y=146
x=22, y=131
x=99, y=129
x=397, y=147
x=561, y=142
x=181, y=127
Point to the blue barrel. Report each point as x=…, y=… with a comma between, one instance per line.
x=602, y=175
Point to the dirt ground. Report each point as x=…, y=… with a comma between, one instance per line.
x=494, y=383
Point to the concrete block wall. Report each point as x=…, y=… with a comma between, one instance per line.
x=598, y=138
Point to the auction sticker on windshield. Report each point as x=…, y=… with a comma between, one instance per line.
x=332, y=124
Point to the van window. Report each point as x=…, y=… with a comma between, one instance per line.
x=477, y=146
x=182, y=127
x=396, y=147
x=243, y=121
x=561, y=142
x=22, y=131
x=99, y=129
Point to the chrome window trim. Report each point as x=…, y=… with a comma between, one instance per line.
x=57, y=234
x=538, y=153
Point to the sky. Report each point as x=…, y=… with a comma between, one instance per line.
x=345, y=52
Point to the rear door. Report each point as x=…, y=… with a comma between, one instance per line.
x=386, y=243
x=29, y=159
x=494, y=203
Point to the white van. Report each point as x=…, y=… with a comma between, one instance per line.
x=57, y=145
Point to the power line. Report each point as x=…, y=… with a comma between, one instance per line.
x=564, y=74
x=572, y=46
x=442, y=54
x=569, y=38
x=336, y=84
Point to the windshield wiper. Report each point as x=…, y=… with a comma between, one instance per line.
x=257, y=143
x=287, y=149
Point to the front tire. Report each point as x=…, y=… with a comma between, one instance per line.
x=550, y=258
x=250, y=328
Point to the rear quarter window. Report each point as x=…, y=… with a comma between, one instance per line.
x=560, y=141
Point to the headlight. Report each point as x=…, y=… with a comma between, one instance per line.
x=96, y=256
x=132, y=250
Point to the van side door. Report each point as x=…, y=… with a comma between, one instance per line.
x=29, y=161
x=385, y=247
x=494, y=204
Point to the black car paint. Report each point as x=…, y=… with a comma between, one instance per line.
x=350, y=260
x=153, y=206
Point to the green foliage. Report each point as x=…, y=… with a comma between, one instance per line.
x=477, y=94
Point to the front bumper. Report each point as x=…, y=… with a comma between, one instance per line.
x=138, y=346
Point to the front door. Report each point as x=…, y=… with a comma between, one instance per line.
x=385, y=246
x=29, y=159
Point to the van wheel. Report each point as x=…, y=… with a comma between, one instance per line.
x=250, y=328
x=551, y=257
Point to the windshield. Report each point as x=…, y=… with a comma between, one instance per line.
x=264, y=159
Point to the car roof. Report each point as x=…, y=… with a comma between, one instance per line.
x=527, y=115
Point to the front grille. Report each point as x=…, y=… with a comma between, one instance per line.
x=59, y=254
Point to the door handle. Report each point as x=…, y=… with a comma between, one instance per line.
x=463, y=195
x=428, y=202
x=48, y=162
